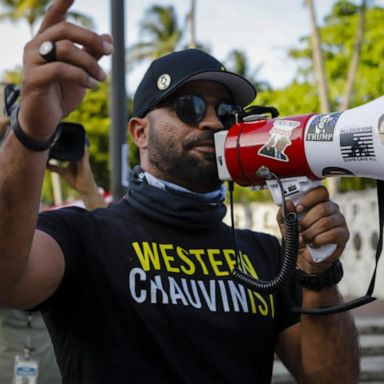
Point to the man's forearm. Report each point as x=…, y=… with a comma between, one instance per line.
x=329, y=343
x=21, y=178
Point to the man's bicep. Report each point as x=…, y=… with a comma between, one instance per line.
x=43, y=273
x=289, y=351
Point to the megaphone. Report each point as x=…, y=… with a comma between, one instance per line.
x=302, y=150
x=349, y=143
x=299, y=151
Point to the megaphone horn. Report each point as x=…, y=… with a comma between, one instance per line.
x=349, y=143
x=301, y=150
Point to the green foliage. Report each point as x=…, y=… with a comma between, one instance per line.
x=133, y=156
x=341, y=9
x=12, y=76
x=47, y=191
x=297, y=98
x=247, y=194
x=355, y=184
x=93, y=113
x=338, y=40
x=370, y=82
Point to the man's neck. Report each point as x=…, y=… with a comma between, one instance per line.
x=167, y=185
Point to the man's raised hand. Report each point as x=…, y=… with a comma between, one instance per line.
x=53, y=89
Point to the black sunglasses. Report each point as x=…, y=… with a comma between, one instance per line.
x=191, y=109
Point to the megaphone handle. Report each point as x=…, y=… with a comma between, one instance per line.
x=294, y=189
x=321, y=253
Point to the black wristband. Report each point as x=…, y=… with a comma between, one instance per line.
x=317, y=281
x=27, y=142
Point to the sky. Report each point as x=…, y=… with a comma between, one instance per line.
x=264, y=30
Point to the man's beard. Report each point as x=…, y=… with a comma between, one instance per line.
x=182, y=167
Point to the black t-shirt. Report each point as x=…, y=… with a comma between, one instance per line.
x=144, y=302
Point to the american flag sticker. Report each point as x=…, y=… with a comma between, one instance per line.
x=357, y=144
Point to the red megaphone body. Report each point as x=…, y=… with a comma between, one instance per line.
x=301, y=150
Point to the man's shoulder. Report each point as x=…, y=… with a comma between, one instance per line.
x=116, y=217
x=73, y=211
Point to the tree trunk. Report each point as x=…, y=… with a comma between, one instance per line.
x=321, y=79
x=318, y=60
x=346, y=100
x=191, y=23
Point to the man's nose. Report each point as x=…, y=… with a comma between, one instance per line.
x=211, y=120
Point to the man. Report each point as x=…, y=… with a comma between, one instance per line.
x=141, y=292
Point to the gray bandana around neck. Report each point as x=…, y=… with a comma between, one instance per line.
x=217, y=196
x=178, y=206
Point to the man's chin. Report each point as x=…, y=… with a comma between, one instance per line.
x=208, y=165
x=204, y=176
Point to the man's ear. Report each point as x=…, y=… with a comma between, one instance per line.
x=138, y=129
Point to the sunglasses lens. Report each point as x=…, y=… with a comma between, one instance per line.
x=190, y=109
x=227, y=113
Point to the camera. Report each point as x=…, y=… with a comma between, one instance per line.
x=69, y=146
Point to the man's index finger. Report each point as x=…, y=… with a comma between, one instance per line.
x=55, y=13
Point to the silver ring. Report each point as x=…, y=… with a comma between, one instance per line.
x=47, y=50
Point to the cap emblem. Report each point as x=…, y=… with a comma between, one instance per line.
x=163, y=82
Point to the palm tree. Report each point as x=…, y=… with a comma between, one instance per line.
x=161, y=26
x=33, y=10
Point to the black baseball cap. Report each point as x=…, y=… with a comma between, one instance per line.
x=166, y=74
